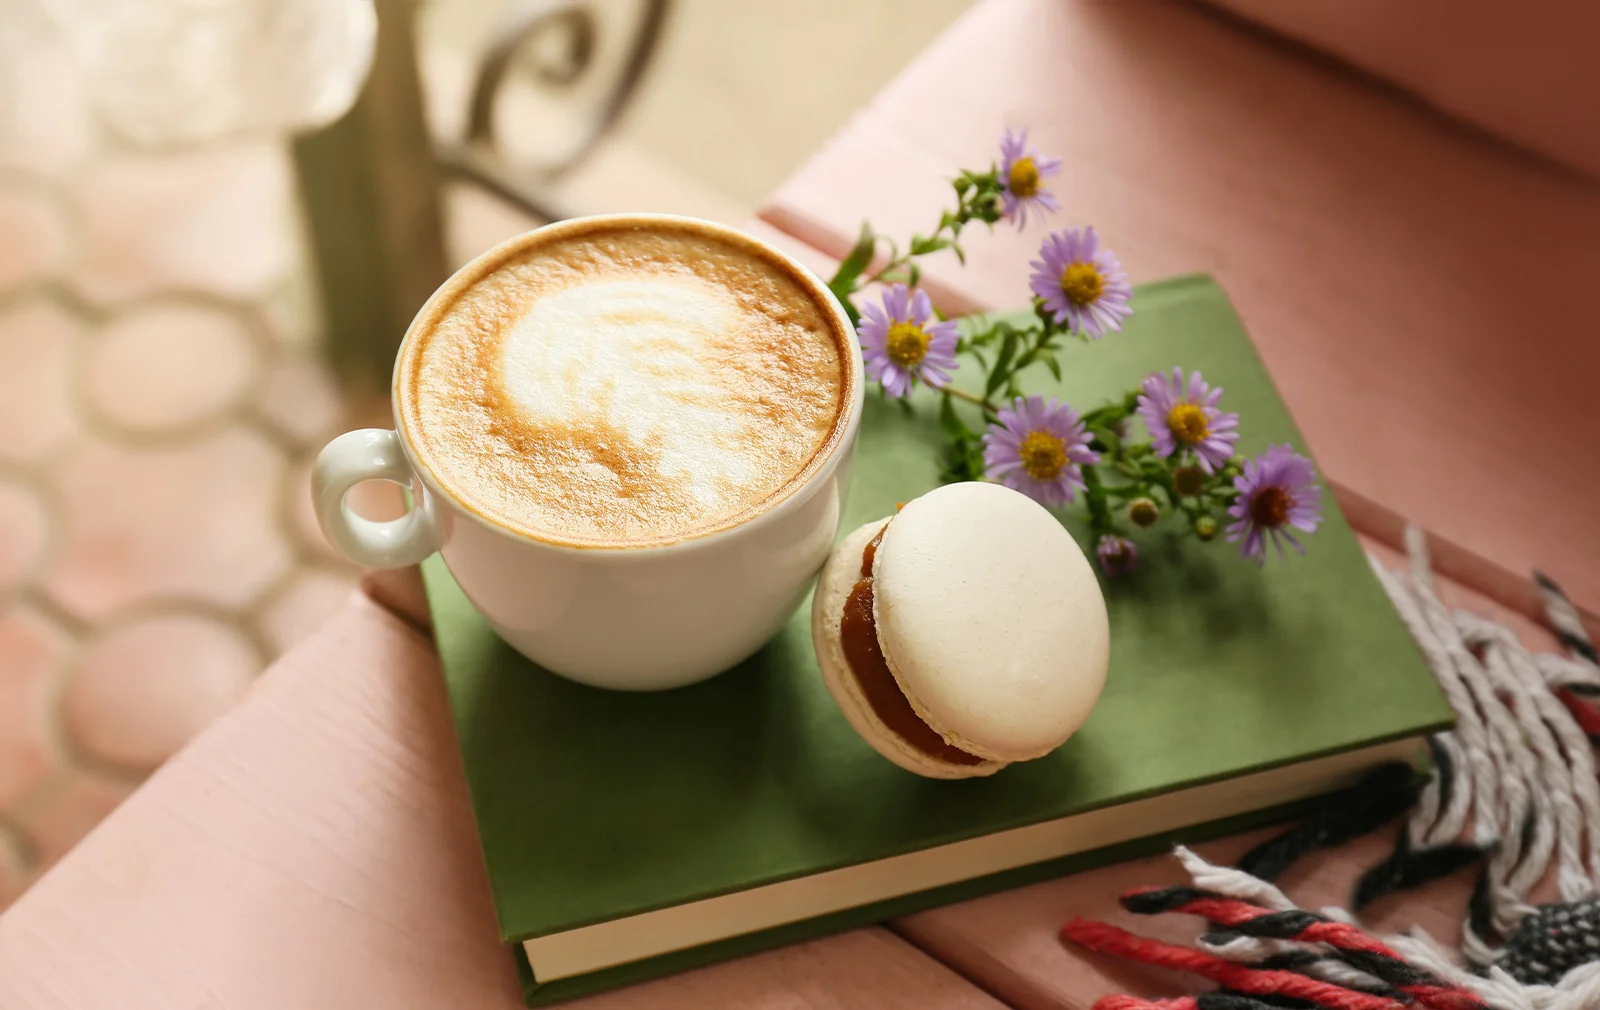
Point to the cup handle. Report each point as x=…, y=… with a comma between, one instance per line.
x=367, y=454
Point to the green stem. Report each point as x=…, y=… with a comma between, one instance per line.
x=966, y=210
x=1094, y=496
x=1028, y=357
x=892, y=265
x=905, y=259
x=976, y=401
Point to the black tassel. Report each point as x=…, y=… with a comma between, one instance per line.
x=1406, y=868
x=1384, y=794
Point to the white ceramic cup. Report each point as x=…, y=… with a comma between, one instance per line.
x=631, y=618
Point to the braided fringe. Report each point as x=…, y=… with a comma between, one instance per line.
x=1517, y=777
x=1564, y=620
x=1333, y=940
x=1519, y=764
x=1235, y=946
x=1251, y=981
x=1578, y=990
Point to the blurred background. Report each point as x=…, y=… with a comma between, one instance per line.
x=207, y=257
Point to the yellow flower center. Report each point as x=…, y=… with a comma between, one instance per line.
x=1044, y=455
x=1024, y=179
x=1082, y=283
x=1271, y=505
x=907, y=344
x=1188, y=423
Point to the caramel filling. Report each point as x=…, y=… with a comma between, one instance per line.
x=858, y=633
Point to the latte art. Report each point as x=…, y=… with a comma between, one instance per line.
x=638, y=357
x=625, y=386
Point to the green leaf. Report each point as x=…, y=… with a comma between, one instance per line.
x=962, y=184
x=1001, y=372
x=913, y=275
x=1050, y=362
x=850, y=269
x=961, y=254
x=960, y=461
x=951, y=422
x=975, y=464
x=980, y=337
x=983, y=362
x=922, y=246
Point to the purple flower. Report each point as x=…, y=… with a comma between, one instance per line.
x=1037, y=448
x=1185, y=420
x=1277, y=490
x=901, y=342
x=1118, y=555
x=1081, y=283
x=1021, y=172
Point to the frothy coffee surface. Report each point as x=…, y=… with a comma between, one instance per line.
x=625, y=385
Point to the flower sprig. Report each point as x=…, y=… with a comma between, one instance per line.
x=979, y=197
x=1185, y=465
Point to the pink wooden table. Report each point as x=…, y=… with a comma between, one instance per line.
x=315, y=848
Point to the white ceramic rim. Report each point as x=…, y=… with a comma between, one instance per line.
x=845, y=433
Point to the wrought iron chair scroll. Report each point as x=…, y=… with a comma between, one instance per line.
x=527, y=29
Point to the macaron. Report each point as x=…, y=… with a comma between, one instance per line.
x=962, y=634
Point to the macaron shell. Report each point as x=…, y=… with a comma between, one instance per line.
x=991, y=619
x=838, y=578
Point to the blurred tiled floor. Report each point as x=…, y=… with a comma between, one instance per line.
x=160, y=401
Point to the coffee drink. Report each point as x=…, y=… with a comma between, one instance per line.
x=624, y=383
x=627, y=437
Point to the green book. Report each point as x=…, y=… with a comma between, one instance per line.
x=628, y=836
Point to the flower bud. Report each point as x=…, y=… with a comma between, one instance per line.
x=1118, y=555
x=1188, y=481
x=1205, y=528
x=1143, y=512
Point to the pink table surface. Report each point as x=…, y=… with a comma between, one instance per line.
x=1531, y=78
x=1423, y=296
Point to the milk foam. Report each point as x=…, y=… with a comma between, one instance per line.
x=637, y=356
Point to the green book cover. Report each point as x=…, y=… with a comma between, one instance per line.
x=595, y=805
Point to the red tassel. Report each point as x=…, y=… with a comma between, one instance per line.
x=1135, y=1003
x=1108, y=939
x=1232, y=912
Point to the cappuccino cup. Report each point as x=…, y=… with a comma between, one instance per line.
x=630, y=438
